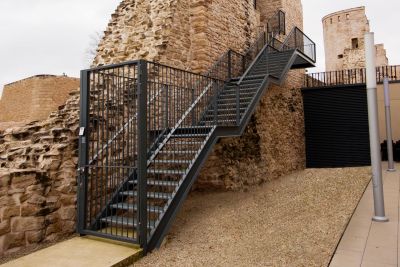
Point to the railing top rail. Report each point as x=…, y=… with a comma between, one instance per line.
x=350, y=76
x=135, y=62
x=353, y=69
x=113, y=66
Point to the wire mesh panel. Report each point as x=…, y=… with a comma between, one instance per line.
x=110, y=140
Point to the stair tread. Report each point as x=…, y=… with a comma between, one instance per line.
x=120, y=220
x=155, y=195
x=134, y=207
x=158, y=182
x=132, y=222
x=188, y=135
x=178, y=152
x=162, y=171
x=170, y=161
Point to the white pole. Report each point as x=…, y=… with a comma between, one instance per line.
x=388, y=125
x=370, y=60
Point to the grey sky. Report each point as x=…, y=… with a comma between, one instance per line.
x=51, y=36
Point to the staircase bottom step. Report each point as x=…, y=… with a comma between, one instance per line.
x=134, y=207
x=118, y=220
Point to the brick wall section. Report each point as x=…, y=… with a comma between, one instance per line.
x=38, y=179
x=35, y=98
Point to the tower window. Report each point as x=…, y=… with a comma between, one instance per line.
x=340, y=56
x=354, y=43
x=331, y=20
x=338, y=18
x=347, y=16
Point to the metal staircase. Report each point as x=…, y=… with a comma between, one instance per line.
x=146, y=129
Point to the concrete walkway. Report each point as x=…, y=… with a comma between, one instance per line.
x=81, y=252
x=366, y=243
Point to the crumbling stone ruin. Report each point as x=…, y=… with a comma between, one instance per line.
x=344, y=40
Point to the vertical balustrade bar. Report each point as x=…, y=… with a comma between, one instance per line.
x=83, y=150
x=237, y=104
x=229, y=64
x=142, y=153
x=166, y=107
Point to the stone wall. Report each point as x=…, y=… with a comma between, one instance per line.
x=38, y=179
x=381, y=58
x=35, y=98
x=344, y=40
x=187, y=34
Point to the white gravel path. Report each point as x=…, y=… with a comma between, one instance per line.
x=294, y=221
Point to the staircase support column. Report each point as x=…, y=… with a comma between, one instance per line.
x=142, y=154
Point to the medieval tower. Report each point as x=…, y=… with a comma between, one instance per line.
x=344, y=40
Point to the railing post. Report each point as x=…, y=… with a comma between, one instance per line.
x=215, y=103
x=237, y=104
x=142, y=153
x=166, y=126
x=244, y=64
x=193, y=111
x=83, y=150
x=229, y=64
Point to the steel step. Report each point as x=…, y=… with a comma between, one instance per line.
x=243, y=86
x=234, y=94
x=222, y=121
x=153, y=182
x=167, y=161
x=185, y=143
x=132, y=222
x=154, y=195
x=222, y=111
x=221, y=116
x=232, y=104
x=188, y=135
x=241, y=99
x=178, y=152
x=160, y=171
x=249, y=90
x=134, y=207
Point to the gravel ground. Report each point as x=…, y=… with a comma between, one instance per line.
x=294, y=221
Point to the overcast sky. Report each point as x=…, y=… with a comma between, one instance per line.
x=51, y=36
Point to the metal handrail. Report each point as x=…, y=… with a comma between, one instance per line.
x=293, y=32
